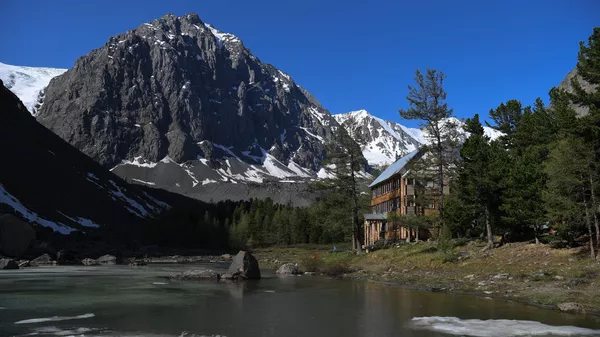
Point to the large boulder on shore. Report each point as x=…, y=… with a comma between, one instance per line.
x=15, y=235
x=107, y=259
x=205, y=275
x=288, y=269
x=89, y=262
x=43, y=260
x=571, y=307
x=8, y=264
x=245, y=266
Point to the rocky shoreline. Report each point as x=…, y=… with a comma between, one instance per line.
x=529, y=274
x=108, y=259
x=568, y=307
x=537, y=275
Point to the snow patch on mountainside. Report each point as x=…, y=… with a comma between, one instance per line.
x=383, y=141
x=28, y=83
x=82, y=221
x=423, y=134
x=14, y=203
x=220, y=36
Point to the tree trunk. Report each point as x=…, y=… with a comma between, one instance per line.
x=407, y=235
x=488, y=228
x=355, y=224
x=588, y=222
x=417, y=235
x=440, y=175
x=595, y=213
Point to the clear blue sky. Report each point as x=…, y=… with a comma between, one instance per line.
x=349, y=54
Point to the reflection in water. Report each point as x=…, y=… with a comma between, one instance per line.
x=142, y=302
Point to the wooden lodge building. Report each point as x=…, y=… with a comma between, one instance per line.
x=400, y=190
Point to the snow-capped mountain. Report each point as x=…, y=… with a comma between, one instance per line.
x=383, y=141
x=180, y=105
x=28, y=83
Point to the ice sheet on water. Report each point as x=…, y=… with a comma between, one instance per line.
x=54, y=331
x=83, y=331
x=54, y=319
x=496, y=327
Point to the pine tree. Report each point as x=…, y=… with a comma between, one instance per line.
x=536, y=128
x=480, y=175
x=588, y=67
x=522, y=200
x=568, y=201
x=347, y=157
x=427, y=103
x=507, y=116
x=460, y=215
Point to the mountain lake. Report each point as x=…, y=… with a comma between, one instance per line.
x=143, y=301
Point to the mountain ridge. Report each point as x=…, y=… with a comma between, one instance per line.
x=211, y=103
x=383, y=141
x=71, y=192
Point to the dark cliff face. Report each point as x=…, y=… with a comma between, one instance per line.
x=178, y=88
x=49, y=183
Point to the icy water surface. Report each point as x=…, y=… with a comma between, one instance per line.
x=142, y=301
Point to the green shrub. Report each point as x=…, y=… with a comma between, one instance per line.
x=460, y=242
x=337, y=267
x=312, y=263
x=445, y=245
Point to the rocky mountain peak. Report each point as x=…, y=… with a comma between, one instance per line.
x=178, y=92
x=381, y=141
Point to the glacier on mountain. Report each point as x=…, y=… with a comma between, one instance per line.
x=28, y=83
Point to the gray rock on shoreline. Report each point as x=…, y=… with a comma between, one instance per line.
x=8, y=264
x=42, y=260
x=196, y=275
x=243, y=267
x=571, y=307
x=107, y=259
x=288, y=269
x=89, y=262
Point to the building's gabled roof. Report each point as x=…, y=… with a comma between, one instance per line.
x=395, y=167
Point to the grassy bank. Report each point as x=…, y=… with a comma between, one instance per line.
x=525, y=272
